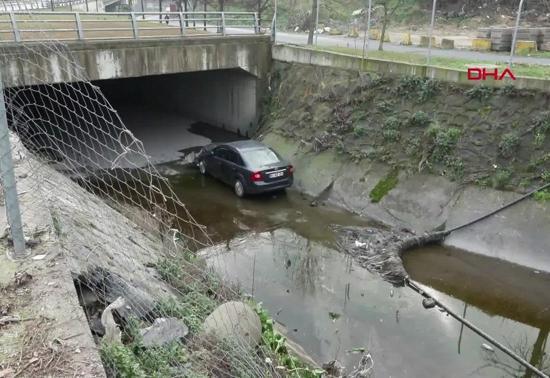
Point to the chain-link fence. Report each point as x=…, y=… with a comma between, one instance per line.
x=86, y=185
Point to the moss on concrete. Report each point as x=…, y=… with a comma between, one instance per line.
x=383, y=187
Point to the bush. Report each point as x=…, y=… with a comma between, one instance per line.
x=480, y=92
x=444, y=141
x=391, y=135
x=542, y=196
x=359, y=131
x=420, y=119
x=456, y=168
x=501, y=178
x=421, y=88
x=508, y=144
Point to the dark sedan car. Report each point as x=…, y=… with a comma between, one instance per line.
x=248, y=166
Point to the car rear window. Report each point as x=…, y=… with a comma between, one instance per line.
x=260, y=157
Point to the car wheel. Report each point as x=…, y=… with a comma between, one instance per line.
x=239, y=188
x=202, y=167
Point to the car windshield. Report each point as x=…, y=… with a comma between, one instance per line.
x=260, y=157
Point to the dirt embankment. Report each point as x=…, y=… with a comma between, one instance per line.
x=418, y=153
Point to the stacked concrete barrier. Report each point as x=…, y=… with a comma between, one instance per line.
x=501, y=39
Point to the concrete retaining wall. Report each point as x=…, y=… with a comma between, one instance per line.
x=294, y=54
x=423, y=202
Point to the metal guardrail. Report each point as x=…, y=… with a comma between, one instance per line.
x=75, y=26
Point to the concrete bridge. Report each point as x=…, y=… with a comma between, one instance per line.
x=217, y=78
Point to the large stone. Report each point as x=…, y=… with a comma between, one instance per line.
x=163, y=331
x=234, y=321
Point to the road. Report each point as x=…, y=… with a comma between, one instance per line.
x=341, y=41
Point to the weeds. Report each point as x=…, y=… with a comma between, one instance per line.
x=501, y=178
x=508, y=145
x=508, y=90
x=480, y=92
x=420, y=119
x=421, y=88
x=276, y=343
x=542, y=196
x=444, y=141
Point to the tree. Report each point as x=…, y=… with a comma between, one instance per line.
x=388, y=7
x=312, y=22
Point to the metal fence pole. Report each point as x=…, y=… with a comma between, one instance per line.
x=366, y=36
x=317, y=22
x=134, y=25
x=514, y=39
x=431, y=32
x=256, y=23
x=223, y=23
x=16, y=34
x=79, y=30
x=8, y=180
x=182, y=23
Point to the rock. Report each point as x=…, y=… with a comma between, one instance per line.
x=163, y=331
x=428, y=303
x=235, y=321
x=112, y=331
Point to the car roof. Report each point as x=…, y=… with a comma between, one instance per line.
x=245, y=144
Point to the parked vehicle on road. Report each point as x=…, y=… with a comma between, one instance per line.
x=250, y=167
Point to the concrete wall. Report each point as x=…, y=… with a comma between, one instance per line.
x=31, y=64
x=294, y=54
x=225, y=98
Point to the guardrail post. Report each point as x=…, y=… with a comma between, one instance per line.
x=256, y=23
x=16, y=34
x=182, y=23
x=134, y=25
x=79, y=30
x=13, y=211
x=223, y=23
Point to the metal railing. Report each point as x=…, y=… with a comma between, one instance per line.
x=18, y=5
x=75, y=26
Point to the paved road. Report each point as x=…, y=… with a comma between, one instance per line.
x=340, y=41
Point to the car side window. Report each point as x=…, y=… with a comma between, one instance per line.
x=234, y=157
x=220, y=152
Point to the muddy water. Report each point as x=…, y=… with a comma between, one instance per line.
x=282, y=251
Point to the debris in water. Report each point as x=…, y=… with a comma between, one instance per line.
x=39, y=257
x=359, y=244
x=357, y=350
x=487, y=347
x=334, y=316
x=428, y=303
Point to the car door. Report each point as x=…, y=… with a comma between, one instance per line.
x=232, y=166
x=216, y=162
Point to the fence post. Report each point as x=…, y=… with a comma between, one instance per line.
x=223, y=23
x=16, y=34
x=79, y=30
x=182, y=24
x=8, y=181
x=514, y=39
x=134, y=25
x=431, y=32
x=256, y=23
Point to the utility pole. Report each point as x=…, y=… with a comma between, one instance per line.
x=514, y=39
x=160, y=11
x=52, y=5
x=432, y=32
x=11, y=200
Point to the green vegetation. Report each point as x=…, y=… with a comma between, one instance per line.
x=508, y=145
x=276, y=343
x=384, y=186
x=443, y=140
x=419, y=88
x=420, y=119
x=200, y=294
x=480, y=93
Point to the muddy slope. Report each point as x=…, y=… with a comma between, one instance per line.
x=418, y=153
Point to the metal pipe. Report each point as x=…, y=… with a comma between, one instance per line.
x=513, y=48
x=13, y=211
x=431, y=32
x=413, y=285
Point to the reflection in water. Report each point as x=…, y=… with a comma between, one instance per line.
x=282, y=251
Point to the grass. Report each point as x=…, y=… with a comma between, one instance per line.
x=539, y=71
